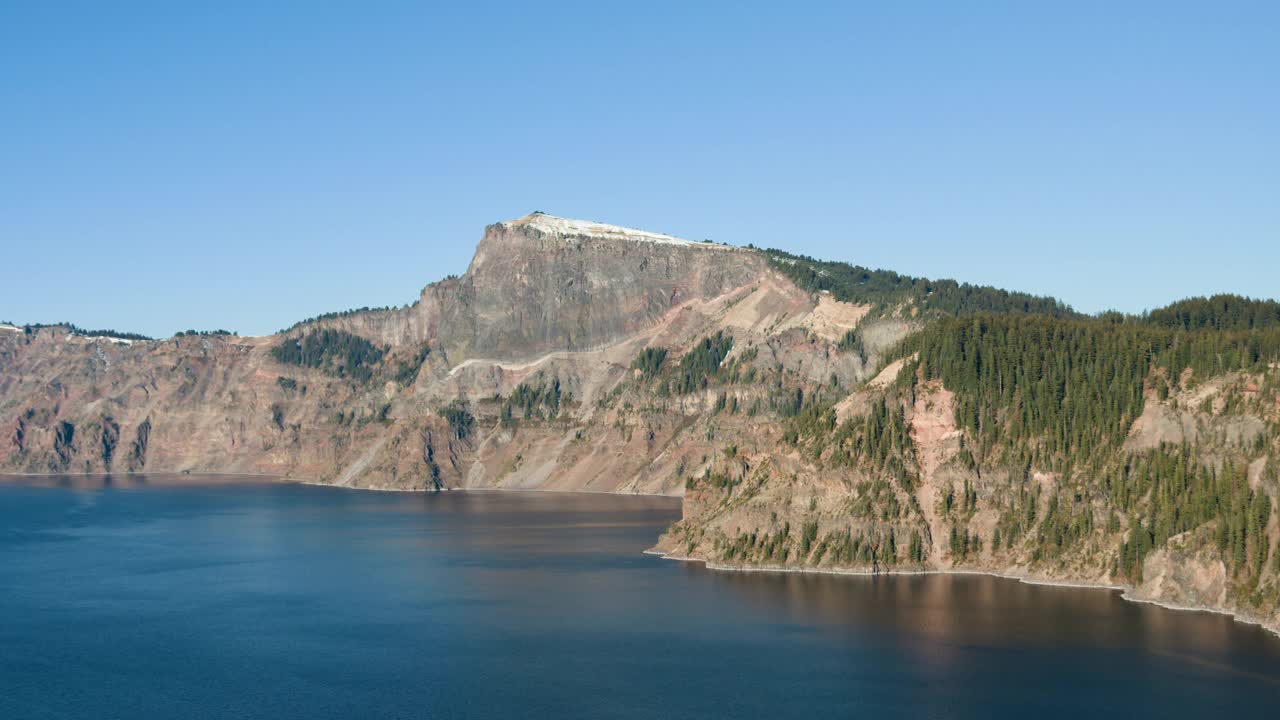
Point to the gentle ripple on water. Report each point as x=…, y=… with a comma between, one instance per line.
x=222, y=597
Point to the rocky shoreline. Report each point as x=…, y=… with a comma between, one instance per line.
x=1126, y=591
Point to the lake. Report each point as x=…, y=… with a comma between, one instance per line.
x=216, y=597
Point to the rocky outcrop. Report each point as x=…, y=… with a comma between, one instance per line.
x=804, y=506
x=543, y=284
x=540, y=284
x=578, y=356
x=545, y=299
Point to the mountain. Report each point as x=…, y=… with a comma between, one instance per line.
x=813, y=415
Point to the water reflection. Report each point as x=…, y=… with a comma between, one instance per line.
x=109, y=481
x=235, y=597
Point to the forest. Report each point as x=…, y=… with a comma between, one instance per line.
x=1219, y=312
x=334, y=351
x=698, y=365
x=204, y=333
x=541, y=399
x=337, y=314
x=73, y=329
x=1052, y=392
x=1036, y=393
x=885, y=288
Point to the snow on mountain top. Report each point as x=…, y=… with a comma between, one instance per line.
x=569, y=227
x=101, y=338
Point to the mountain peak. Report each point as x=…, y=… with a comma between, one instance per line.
x=569, y=227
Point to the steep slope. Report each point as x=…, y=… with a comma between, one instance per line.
x=1087, y=451
x=813, y=415
x=543, y=284
x=413, y=397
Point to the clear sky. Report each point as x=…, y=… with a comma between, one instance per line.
x=245, y=165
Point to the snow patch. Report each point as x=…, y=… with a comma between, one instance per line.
x=102, y=338
x=567, y=227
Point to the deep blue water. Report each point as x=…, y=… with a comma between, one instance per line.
x=190, y=598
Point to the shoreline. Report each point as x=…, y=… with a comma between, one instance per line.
x=141, y=472
x=488, y=489
x=1125, y=591
x=316, y=483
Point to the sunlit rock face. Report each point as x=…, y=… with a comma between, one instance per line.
x=578, y=356
x=545, y=299
x=540, y=284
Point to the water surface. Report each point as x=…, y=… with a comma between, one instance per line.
x=167, y=597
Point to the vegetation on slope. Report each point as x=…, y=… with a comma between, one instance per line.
x=1183, y=494
x=407, y=369
x=857, y=284
x=73, y=329
x=337, y=314
x=701, y=363
x=878, y=442
x=1062, y=395
x=1220, y=312
x=1054, y=392
x=334, y=351
x=1046, y=406
x=696, y=370
x=460, y=420
x=204, y=333
x=541, y=399
x=649, y=361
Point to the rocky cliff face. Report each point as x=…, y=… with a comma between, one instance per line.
x=539, y=285
x=912, y=500
x=578, y=356
x=545, y=301
x=543, y=284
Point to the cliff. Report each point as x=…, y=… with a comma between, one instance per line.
x=545, y=300
x=813, y=415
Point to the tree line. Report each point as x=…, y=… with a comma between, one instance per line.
x=1219, y=312
x=857, y=284
x=335, y=351
x=31, y=328
x=1059, y=390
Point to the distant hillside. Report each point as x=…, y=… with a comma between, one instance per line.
x=857, y=284
x=79, y=331
x=1219, y=312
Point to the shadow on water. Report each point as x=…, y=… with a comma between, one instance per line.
x=942, y=611
x=109, y=481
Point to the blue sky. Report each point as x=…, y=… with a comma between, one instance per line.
x=245, y=165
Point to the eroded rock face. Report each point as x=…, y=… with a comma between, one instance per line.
x=1183, y=576
x=535, y=287
x=526, y=373
x=544, y=299
x=542, y=284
